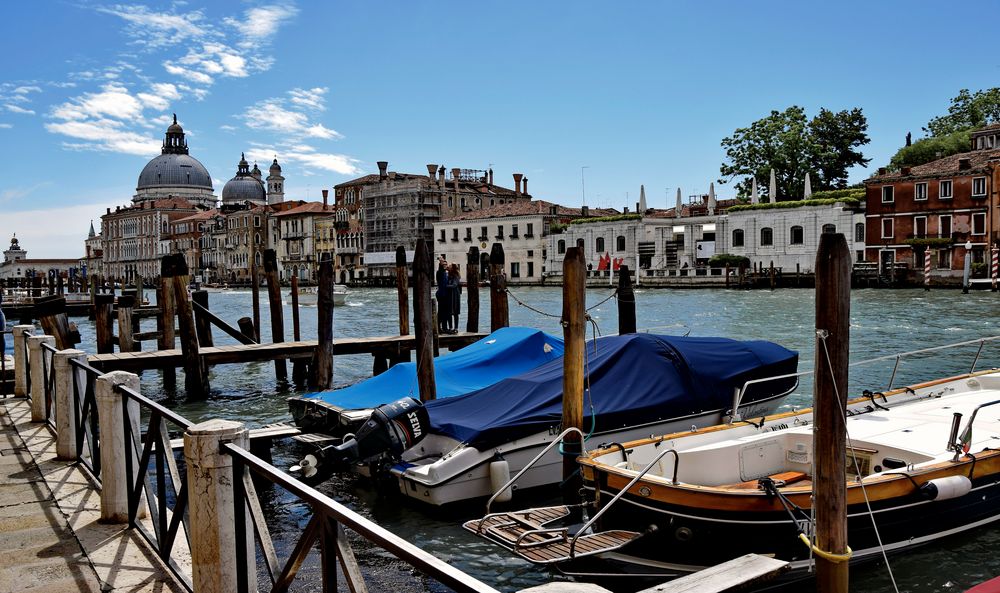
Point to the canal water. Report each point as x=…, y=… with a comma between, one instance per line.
x=883, y=322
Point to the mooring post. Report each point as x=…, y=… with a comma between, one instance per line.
x=195, y=377
x=277, y=314
x=833, y=327
x=402, y=291
x=247, y=328
x=255, y=300
x=626, y=302
x=322, y=366
x=298, y=365
x=36, y=360
x=201, y=321
x=65, y=402
x=92, y=314
x=472, y=289
x=21, y=334
x=574, y=332
x=60, y=285
x=212, y=512
x=165, y=321
x=423, y=270
x=772, y=274
x=125, y=305
x=104, y=322
x=499, y=313
x=139, y=286
x=111, y=424
x=51, y=314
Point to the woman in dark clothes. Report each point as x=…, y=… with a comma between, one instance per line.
x=443, y=295
x=455, y=290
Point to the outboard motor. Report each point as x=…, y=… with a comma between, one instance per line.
x=391, y=429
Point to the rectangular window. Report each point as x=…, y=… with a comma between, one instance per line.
x=944, y=225
x=515, y=269
x=887, y=228
x=531, y=269
x=531, y=253
x=442, y=239
x=978, y=187
x=919, y=226
x=944, y=189
x=468, y=233
x=944, y=259
x=920, y=191
x=513, y=232
x=483, y=233
x=499, y=232
x=454, y=234
x=979, y=223
x=530, y=232
x=887, y=195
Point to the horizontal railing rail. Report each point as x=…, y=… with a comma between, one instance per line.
x=329, y=518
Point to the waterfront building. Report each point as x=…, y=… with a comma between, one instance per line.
x=191, y=237
x=175, y=174
x=135, y=238
x=92, y=263
x=400, y=208
x=16, y=264
x=522, y=227
x=942, y=205
x=349, y=239
x=297, y=231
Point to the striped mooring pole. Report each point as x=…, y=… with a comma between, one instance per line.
x=995, y=252
x=927, y=268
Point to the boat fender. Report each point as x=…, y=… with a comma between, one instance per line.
x=946, y=488
x=500, y=475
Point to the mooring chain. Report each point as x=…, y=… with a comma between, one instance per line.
x=529, y=307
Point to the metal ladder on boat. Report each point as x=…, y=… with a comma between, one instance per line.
x=525, y=533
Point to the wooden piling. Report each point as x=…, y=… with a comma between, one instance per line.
x=626, y=302
x=322, y=365
x=277, y=314
x=201, y=321
x=255, y=300
x=833, y=312
x=51, y=314
x=195, y=377
x=574, y=332
x=125, y=305
x=60, y=285
x=165, y=322
x=772, y=274
x=247, y=328
x=423, y=271
x=104, y=322
x=402, y=291
x=499, y=313
x=472, y=290
x=298, y=366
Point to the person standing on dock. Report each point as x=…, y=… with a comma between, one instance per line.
x=455, y=296
x=443, y=297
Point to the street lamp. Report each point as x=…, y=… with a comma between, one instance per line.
x=968, y=267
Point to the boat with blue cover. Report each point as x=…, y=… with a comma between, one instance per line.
x=504, y=353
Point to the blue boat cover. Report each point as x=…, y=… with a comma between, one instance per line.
x=504, y=353
x=634, y=379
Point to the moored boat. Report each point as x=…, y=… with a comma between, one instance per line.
x=309, y=296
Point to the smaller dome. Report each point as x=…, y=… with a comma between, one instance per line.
x=275, y=167
x=242, y=189
x=175, y=128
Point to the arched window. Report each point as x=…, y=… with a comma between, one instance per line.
x=561, y=246
x=829, y=228
x=737, y=237
x=451, y=202
x=766, y=236
x=859, y=232
x=600, y=244
x=620, y=243
x=579, y=243
x=795, y=235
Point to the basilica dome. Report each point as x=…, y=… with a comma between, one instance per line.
x=175, y=173
x=244, y=187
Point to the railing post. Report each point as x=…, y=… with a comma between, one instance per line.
x=111, y=424
x=65, y=401
x=21, y=333
x=211, y=507
x=36, y=359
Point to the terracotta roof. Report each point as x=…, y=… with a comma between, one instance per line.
x=527, y=208
x=363, y=180
x=206, y=215
x=307, y=208
x=478, y=187
x=944, y=166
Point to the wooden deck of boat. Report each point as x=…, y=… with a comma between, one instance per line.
x=238, y=353
x=514, y=531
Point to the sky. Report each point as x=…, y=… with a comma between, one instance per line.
x=588, y=100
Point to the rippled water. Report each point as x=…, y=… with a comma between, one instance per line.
x=882, y=322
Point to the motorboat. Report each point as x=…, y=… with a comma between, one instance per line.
x=504, y=353
x=309, y=296
x=686, y=500
x=635, y=385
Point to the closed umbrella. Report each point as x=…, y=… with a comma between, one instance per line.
x=677, y=209
x=772, y=191
x=642, y=199
x=711, y=199
x=754, y=198
x=809, y=190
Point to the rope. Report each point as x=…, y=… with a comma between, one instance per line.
x=530, y=308
x=835, y=558
x=608, y=298
x=822, y=334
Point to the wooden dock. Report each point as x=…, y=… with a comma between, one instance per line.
x=389, y=346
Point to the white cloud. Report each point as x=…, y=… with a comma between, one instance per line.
x=105, y=135
x=5, y=126
x=309, y=98
x=155, y=30
x=24, y=90
x=261, y=23
x=308, y=158
x=192, y=75
x=159, y=96
x=285, y=116
x=62, y=234
x=12, y=194
x=16, y=109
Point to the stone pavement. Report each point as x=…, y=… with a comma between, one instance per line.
x=50, y=537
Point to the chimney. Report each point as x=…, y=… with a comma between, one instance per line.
x=626, y=209
x=517, y=183
x=964, y=164
x=524, y=188
x=584, y=211
x=431, y=170
x=553, y=209
x=382, y=167
x=109, y=210
x=491, y=176
x=881, y=170
x=441, y=175
x=326, y=194
x=905, y=170
x=455, y=173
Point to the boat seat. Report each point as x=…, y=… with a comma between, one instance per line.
x=780, y=479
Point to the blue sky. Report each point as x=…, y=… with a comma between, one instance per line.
x=639, y=93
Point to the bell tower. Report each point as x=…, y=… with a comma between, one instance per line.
x=275, y=184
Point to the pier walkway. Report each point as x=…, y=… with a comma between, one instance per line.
x=50, y=537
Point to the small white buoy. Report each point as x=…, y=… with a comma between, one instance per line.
x=945, y=488
x=500, y=475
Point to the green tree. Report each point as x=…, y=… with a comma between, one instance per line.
x=967, y=111
x=929, y=149
x=790, y=144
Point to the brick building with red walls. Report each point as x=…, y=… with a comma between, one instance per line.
x=947, y=203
